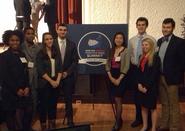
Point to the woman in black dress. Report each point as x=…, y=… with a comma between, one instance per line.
x=16, y=99
x=148, y=74
x=117, y=67
x=49, y=76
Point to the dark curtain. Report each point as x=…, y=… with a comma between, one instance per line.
x=69, y=11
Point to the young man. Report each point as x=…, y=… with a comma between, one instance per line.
x=171, y=53
x=68, y=52
x=30, y=50
x=135, y=52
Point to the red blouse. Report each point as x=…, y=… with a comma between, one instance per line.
x=143, y=62
x=115, y=64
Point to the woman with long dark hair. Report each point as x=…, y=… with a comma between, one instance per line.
x=117, y=67
x=49, y=76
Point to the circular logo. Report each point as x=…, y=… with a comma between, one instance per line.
x=93, y=48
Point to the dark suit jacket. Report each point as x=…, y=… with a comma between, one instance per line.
x=51, y=12
x=173, y=64
x=71, y=57
x=43, y=64
x=150, y=76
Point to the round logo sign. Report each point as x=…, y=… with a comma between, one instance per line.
x=93, y=48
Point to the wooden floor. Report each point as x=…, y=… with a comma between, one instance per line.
x=101, y=117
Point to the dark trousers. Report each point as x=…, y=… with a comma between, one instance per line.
x=19, y=119
x=67, y=85
x=1, y=113
x=52, y=29
x=22, y=23
x=133, y=83
x=22, y=8
x=48, y=97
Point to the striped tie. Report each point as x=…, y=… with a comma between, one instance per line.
x=62, y=51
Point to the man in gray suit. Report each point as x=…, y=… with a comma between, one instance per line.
x=68, y=52
x=30, y=50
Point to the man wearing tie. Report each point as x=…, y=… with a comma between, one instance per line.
x=171, y=53
x=135, y=50
x=68, y=52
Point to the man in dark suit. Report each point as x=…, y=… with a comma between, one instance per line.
x=171, y=53
x=68, y=52
x=51, y=16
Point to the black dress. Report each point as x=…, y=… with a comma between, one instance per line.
x=117, y=91
x=149, y=78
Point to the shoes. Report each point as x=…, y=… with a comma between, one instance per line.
x=51, y=124
x=162, y=129
x=149, y=127
x=43, y=126
x=144, y=130
x=117, y=126
x=70, y=124
x=136, y=123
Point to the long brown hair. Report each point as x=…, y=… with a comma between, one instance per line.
x=53, y=49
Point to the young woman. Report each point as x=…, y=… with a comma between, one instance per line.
x=16, y=93
x=148, y=74
x=49, y=76
x=117, y=67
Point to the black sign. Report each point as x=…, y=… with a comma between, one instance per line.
x=93, y=44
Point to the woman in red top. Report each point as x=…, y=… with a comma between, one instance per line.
x=148, y=74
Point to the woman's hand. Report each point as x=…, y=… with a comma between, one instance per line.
x=54, y=84
x=117, y=82
x=26, y=91
x=64, y=75
x=20, y=92
x=141, y=88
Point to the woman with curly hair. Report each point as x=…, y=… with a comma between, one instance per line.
x=16, y=99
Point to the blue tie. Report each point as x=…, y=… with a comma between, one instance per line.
x=139, y=50
x=165, y=38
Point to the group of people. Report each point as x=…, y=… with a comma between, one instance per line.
x=32, y=75
x=153, y=69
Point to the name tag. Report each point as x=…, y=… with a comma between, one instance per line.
x=23, y=59
x=118, y=59
x=30, y=64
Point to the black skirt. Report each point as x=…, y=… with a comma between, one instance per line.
x=117, y=91
x=148, y=100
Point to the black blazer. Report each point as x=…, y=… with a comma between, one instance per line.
x=43, y=64
x=173, y=64
x=150, y=76
x=71, y=56
x=14, y=76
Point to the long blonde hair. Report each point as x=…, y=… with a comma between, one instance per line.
x=151, y=52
